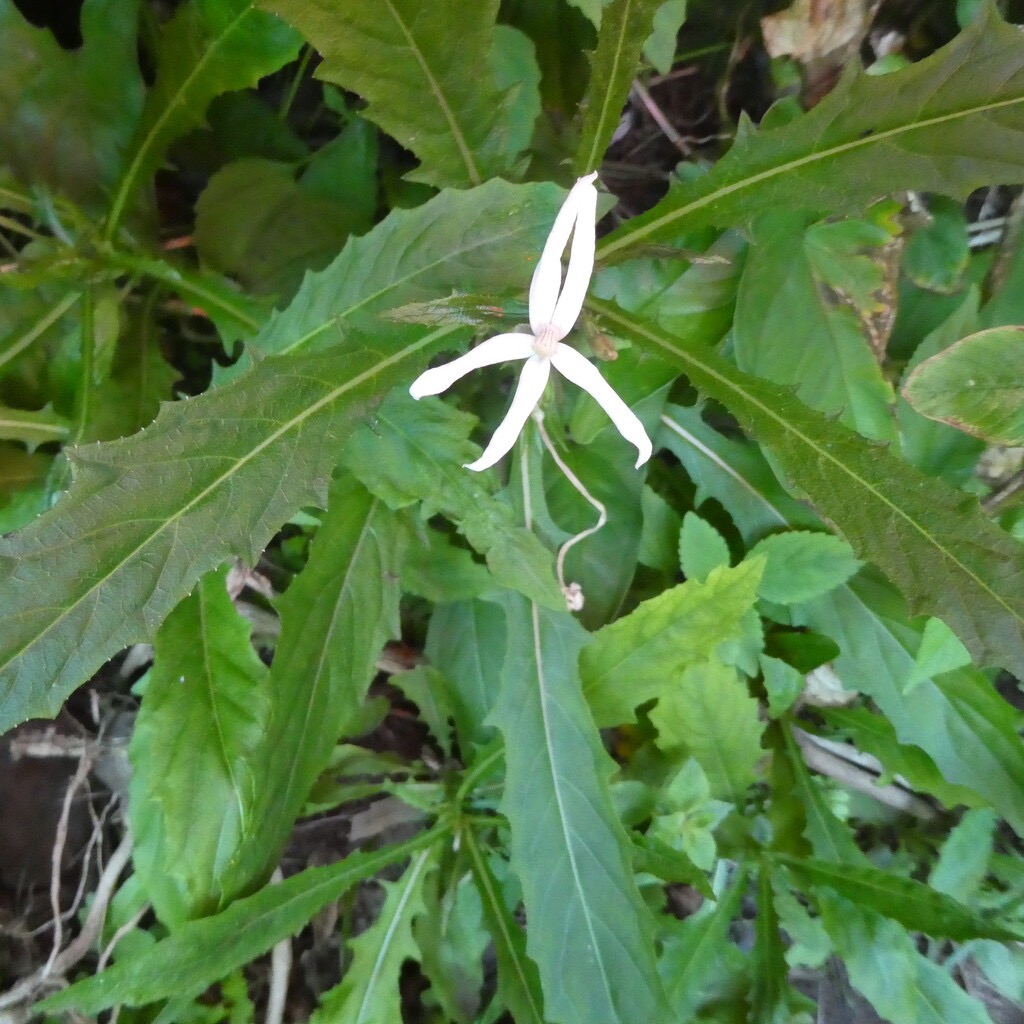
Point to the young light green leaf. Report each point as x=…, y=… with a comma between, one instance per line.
x=568, y=847
x=146, y=517
x=398, y=56
x=964, y=859
x=66, y=115
x=209, y=47
x=915, y=905
x=198, y=732
x=640, y=656
x=886, y=968
x=201, y=952
x=836, y=275
x=800, y=565
x=518, y=981
x=707, y=713
x=369, y=991
x=782, y=683
x=702, y=549
x=335, y=619
x=949, y=123
x=912, y=527
x=976, y=385
x=660, y=48
x=625, y=25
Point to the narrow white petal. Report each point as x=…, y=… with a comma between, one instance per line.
x=499, y=349
x=581, y=260
x=532, y=382
x=547, y=277
x=584, y=374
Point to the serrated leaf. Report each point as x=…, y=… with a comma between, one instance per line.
x=709, y=715
x=429, y=691
x=768, y=969
x=834, y=274
x=568, y=847
x=147, y=516
x=33, y=427
x=964, y=859
x=912, y=527
x=913, y=904
x=198, y=731
x=976, y=385
x=949, y=123
x=397, y=55
x=639, y=657
x=702, y=549
x=625, y=25
x=335, y=619
x=485, y=241
x=202, y=952
x=66, y=115
x=369, y=992
x=518, y=981
x=417, y=451
x=886, y=968
x=208, y=47
x=800, y=565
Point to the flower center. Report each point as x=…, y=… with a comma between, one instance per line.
x=546, y=340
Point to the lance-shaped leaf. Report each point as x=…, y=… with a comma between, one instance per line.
x=335, y=619
x=147, y=516
x=369, y=991
x=33, y=427
x=440, y=102
x=568, y=847
x=197, y=734
x=934, y=543
x=204, y=951
x=625, y=25
x=950, y=124
x=209, y=47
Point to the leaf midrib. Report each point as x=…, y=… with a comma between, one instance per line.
x=631, y=238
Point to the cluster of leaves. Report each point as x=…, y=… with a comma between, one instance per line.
x=801, y=573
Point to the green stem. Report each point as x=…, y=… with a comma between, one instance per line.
x=293, y=88
x=83, y=404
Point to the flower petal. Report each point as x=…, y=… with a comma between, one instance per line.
x=581, y=260
x=584, y=374
x=547, y=277
x=499, y=349
x=532, y=382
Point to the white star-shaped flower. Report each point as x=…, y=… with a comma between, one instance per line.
x=554, y=309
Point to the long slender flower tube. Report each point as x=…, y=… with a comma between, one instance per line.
x=554, y=308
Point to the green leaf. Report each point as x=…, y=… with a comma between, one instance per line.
x=625, y=25
x=708, y=714
x=640, y=656
x=34, y=428
x=913, y=904
x=417, y=451
x=398, y=56
x=885, y=967
x=912, y=527
x=208, y=47
x=369, y=991
x=976, y=385
x=568, y=848
x=782, y=683
x=146, y=517
x=485, y=240
x=429, y=691
x=695, y=951
x=198, y=731
x=800, y=565
x=937, y=254
x=335, y=619
x=940, y=651
x=768, y=969
x=660, y=48
x=518, y=980
x=949, y=123
x=702, y=549
x=202, y=952
x=66, y=116
x=835, y=274
x=964, y=859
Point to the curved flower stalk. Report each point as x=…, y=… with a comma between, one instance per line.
x=554, y=309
